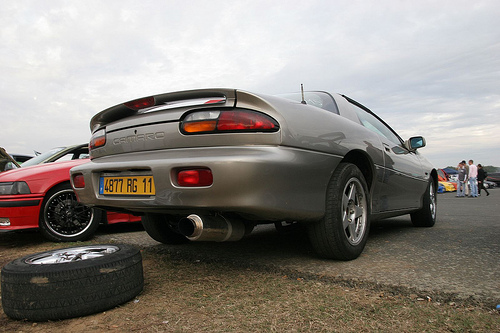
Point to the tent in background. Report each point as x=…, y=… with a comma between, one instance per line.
x=450, y=171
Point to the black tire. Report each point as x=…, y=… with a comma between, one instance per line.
x=49, y=286
x=426, y=216
x=343, y=232
x=158, y=227
x=64, y=219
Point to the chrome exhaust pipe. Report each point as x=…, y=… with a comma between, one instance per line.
x=211, y=228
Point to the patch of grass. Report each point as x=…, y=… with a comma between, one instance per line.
x=213, y=297
x=182, y=295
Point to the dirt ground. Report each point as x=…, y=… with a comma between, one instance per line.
x=182, y=295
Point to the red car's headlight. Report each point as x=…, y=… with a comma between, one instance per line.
x=13, y=188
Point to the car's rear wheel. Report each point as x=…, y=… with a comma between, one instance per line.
x=64, y=219
x=71, y=282
x=426, y=216
x=343, y=232
x=158, y=227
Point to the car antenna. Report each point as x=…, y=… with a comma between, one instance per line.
x=302, y=92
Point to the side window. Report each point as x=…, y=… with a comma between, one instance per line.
x=74, y=155
x=374, y=124
x=67, y=157
x=319, y=99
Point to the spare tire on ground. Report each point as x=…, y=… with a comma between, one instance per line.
x=71, y=282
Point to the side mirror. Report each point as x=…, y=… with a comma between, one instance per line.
x=414, y=143
x=9, y=166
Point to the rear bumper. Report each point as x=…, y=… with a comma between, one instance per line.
x=261, y=182
x=18, y=212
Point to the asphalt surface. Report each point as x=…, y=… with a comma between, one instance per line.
x=457, y=260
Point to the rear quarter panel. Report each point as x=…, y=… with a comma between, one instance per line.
x=309, y=127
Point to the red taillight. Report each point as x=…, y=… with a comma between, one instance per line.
x=215, y=101
x=244, y=120
x=228, y=121
x=140, y=103
x=78, y=181
x=195, y=177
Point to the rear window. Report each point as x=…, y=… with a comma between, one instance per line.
x=319, y=99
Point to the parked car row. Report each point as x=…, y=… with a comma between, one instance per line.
x=494, y=178
x=448, y=183
x=445, y=183
x=38, y=194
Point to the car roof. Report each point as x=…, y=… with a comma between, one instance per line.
x=55, y=153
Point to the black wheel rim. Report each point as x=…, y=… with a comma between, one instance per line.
x=65, y=216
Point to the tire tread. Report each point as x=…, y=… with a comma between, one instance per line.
x=68, y=292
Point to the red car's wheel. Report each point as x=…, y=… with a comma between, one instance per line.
x=64, y=219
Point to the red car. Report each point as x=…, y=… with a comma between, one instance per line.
x=41, y=197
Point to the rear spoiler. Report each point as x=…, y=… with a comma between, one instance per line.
x=227, y=97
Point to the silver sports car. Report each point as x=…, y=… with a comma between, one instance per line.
x=211, y=164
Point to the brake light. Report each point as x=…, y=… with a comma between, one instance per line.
x=140, y=103
x=234, y=120
x=195, y=177
x=215, y=101
x=78, y=181
x=98, y=139
x=228, y=121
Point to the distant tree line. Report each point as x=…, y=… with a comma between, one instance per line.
x=487, y=168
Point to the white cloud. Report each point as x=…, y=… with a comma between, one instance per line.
x=426, y=67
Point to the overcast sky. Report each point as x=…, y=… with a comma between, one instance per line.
x=428, y=68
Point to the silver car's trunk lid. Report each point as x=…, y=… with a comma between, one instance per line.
x=152, y=123
x=170, y=101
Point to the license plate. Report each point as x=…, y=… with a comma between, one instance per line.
x=127, y=185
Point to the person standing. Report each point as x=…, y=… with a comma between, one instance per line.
x=462, y=179
x=481, y=177
x=473, y=179
x=467, y=187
